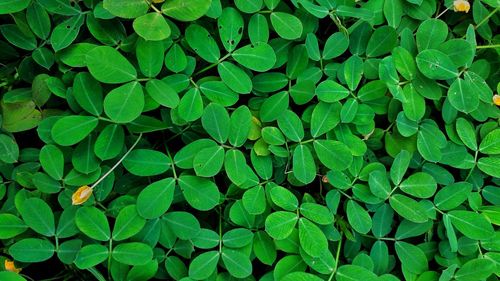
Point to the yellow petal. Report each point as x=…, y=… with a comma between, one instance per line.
x=81, y=195
x=496, y=99
x=461, y=6
x=10, y=266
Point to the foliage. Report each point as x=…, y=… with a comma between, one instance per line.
x=250, y=140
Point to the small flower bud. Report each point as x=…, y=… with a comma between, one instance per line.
x=10, y=266
x=81, y=195
x=461, y=6
x=496, y=99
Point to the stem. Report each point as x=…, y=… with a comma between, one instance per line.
x=488, y=46
x=220, y=230
x=173, y=165
x=337, y=256
x=475, y=162
x=213, y=64
x=486, y=18
x=442, y=13
x=306, y=141
x=109, y=257
x=117, y=163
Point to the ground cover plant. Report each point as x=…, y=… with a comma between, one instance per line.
x=280, y=140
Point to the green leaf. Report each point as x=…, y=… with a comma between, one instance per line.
x=279, y=225
x=291, y=126
x=325, y=117
x=393, y=12
x=284, y=198
x=475, y=269
x=311, y=238
x=125, y=103
x=353, y=71
x=11, y=276
x=317, y=213
x=235, y=166
x=237, y=237
x=237, y=263
x=472, y=225
x=128, y=223
x=420, y=185
x=154, y=200
x=191, y=105
x=133, y=253
x=490, y=144
x=400, y=166
x=215, y=121
x=235, y=78
x=412, y=257
x=200, y=40
x=91, y=255
x=451, y=196
x=131, y=9
x=379, y=184
x=404, y=62
x=489, y=165
x=330, y=91
x=202, y=194
x=462, y=97
x=185, y=10
x=466, y=133
x=408, y=208
x=260, y=57
x=334, y=155
x=240, y=124
x=23, y=39
x=208, y=161
x=32, y=250
x=218, y=92
x=436, y=65
x=431, y=33
x=146, y=162
x=38, y=216
x=38, y=20
x=66, y=32
x=152, y=26
x=93, y=223
x=230, y=28
x=286, y=25
x=358, y=217
x=335, y=45
x=382, y=41
x=355, y=272
x=9, y=150
x=264, y=248
x=88, y=93
x=110, y=142
x=11, y=226
x=183, y=224
x=254, y=200
x=13, y=6
x=71, y=130
x=202, y=266
x=162, y=93
x=107, y=65
x=274, y=106
x=304, y=168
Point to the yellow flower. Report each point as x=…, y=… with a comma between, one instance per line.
x=496, y=99
x=81, y=195
x=10, y=266
x=461, y=6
